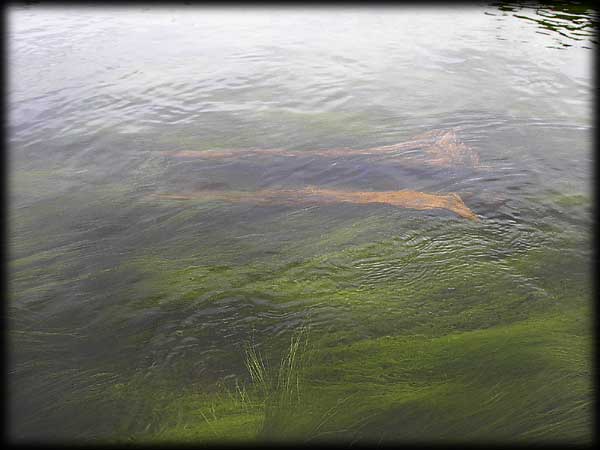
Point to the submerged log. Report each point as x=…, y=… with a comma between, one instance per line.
x=440, y=148
x=311, y=195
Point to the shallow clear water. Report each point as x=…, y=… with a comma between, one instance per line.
x=110, y=282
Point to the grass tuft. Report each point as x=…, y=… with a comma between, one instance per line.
x=279, y=387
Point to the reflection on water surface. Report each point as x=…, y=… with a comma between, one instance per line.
x=566, y=21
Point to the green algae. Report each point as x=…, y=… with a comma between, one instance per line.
x=409, y=344
x=407, y=359
x=525, y=362
x=335, y=278
x=524, y=382
x=189, y=416
x=494, y=366
x=573, y=200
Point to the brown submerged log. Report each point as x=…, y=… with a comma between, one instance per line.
x=440, y=148
x=311, y=195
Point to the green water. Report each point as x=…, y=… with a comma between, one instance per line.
x=133, y=318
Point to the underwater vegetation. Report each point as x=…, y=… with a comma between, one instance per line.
x=469, y=356
x=307, y=325
x=218, y=237
x=311, y=195
x=513, y=383
x=435, y=148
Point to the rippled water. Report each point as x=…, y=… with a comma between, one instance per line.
x=109, y=281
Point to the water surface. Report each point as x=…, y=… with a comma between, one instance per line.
x=129, y=313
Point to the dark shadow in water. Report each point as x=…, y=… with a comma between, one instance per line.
x=572, y=21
